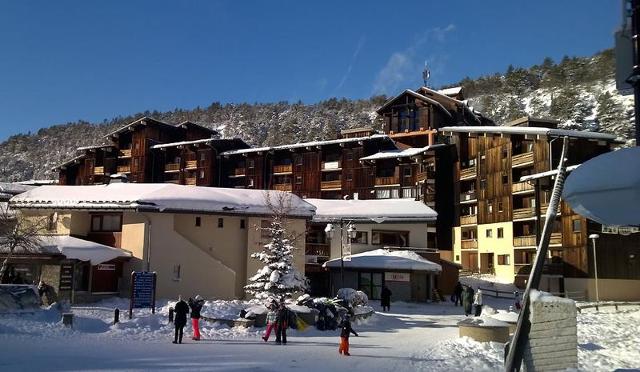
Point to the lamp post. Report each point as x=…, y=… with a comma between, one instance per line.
x=593, y=238
x=351, y=233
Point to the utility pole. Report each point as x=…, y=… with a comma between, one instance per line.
x=634, y=79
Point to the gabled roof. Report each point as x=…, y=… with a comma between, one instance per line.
x=157, y=197
x=142, y=121
x=372, y=210
x=187, y=123
x=535, y=131
x=67, y=162
x=306, y=144
x=209, y=141
x=409, y=152
x=416, y=95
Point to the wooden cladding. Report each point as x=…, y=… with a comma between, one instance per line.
x=385, y=181
x=172, y=167
x=468, y=173
x=125, y=153
x=286, y=168
x=530, y=240
x=336, y=184
x=521, y=187
x=282, y=186
x=191, y=164
x=238, y=172
x=469, y=220
x=469, y=244
x=522, y=160
x=190, y=181
x=124, y=169
x=98, y=171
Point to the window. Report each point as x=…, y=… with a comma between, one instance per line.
x=251, y=163
x=201, y=174
x=488, y=233
x=298, y=180
x=250, y=183
x=504, y=259
x=490, y=207
x=407, y=172
x=500, y=207
x=483, y=184
x=220, y=222
x=243, y=224
x=349, y=155
x=298, y=160
x=203, y=156
x=176, y=273
x=505, y=152
x=362, y=237
x=505, y=179
x=349, y=175
x=198, y=221
x=500, y=232
x=576, y=226
x=106, y=223
x=265, y=229
x=371, y=284
x=390, y=238
x=457, y=257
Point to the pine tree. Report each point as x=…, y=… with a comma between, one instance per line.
x=278, y=277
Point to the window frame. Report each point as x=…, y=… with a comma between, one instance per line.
x=100, y=217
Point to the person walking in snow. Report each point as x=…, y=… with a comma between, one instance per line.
x=272, y=320
x=457, y=294
x=181, y=310
x=345, y=332
x=477, y=302
x=467, y=300
x=196, y=306
x=516, y=296
x=385, y=298
x=282, y=322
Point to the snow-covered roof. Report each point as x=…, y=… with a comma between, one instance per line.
x=535, y=131
x=95, y=147
x=67, y=162
x=305, y=144
x=158, y=197
x=409, y=152
x=141, y=120
x=454, y=91
x=183, y=143
x=387, y=260
x=419, y=96
x=14, y=188
x=376, y=210
x=196, y=125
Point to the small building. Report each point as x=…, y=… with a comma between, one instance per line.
x=198, y=240
x=409, y=276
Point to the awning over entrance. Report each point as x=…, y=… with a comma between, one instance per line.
x=80, y=249
x=384, y=259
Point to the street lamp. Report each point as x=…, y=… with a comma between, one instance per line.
x=593, y=238
x=351, y=233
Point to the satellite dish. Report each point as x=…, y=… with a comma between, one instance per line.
x=606, y=189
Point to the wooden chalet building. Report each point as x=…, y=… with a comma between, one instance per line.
x=499, y=216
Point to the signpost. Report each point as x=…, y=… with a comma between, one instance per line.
x=143, y=291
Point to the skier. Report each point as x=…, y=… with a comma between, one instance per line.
x=344, y=335
x=196, y=306
x=467, y=300
x=181, y=310
x=385, y=298
x=282, y=322
x=457, y=294
x=272, y=321
x=477, y=302
x=516, y=296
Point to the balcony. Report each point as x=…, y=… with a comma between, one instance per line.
x=124, y=169
x=282, y=186
x=191, y=164
x=468, y=196
x=98, y=171
x=530, y=240
x=468, y=173
x=282, y=169
x=331, y=185
x=125, y=153
x=521, y=213
x=238, y=172
x=521, y=187
x=317, y=249
x=328, y=166
x=172, y=167
x=469, y=244
x=522, y=160
x=385, y=181
x=469, y=220
x=190, y=181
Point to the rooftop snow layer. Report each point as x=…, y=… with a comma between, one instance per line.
x=536, y=131
x=182, y=143
x=387, y=260
x=450, y=91
x=157, y=197
x=393, y=154
x=376, y=210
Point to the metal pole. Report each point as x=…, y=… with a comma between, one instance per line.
x=341, y=254
x=595, y=268
x=635, y=76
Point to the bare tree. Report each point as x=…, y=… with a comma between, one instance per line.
x=18, y=233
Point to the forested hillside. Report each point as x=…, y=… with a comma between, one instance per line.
x=578, y=91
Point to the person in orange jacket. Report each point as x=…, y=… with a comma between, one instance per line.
x=344, y=336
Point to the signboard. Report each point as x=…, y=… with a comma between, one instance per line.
x=66, y=277
x=143, y=291
x=622, y=230
x=397, y=277
x=106, y=267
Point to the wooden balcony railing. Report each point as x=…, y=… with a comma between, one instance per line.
x=172, y=167
x=519, y=213
x=469, y=244
x=530, y=240
x=317, y=249
x=282, y=186
x=331, y=165
x=382, y=181
x=238, y=172
x=523, y=159
x=191, y=164
x=191, y=181
x=469, y=220
x=285, y=168
x=98, y=171
x=521, y=187
x=174, y=181
x=469, y=195
x=125, y=153
x=337, y=184
x=468, y=173
x=124, y=169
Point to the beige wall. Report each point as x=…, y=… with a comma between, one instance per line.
x=609, y=289
x=497, y=246
x=132, y=239
x=457, y=248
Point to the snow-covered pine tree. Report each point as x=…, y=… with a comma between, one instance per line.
x=278, y=277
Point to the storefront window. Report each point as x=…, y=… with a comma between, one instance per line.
x=371, y=284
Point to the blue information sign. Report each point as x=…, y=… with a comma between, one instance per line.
x=143, y=290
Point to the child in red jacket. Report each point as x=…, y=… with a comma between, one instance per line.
x=344, y=336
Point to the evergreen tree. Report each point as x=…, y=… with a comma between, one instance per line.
x=610, y=113
x=278, y=277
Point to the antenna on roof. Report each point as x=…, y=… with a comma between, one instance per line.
x=426, y=74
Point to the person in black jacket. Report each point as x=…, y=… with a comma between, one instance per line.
x=282, y=322
x=344, y=336
x=180, y=319
x=196, y=306
x=457, y=294
x=385, y=298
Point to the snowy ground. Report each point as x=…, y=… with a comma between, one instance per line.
x=412, y=337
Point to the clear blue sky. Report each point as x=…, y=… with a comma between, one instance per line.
x=66, y=60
